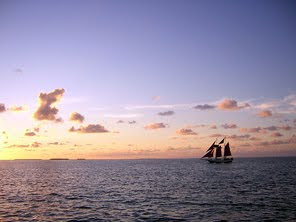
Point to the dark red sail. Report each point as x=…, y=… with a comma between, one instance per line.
x=222, y=141
x=209, y=154
x=212, y=147
x=227, y=150
x=218, y=152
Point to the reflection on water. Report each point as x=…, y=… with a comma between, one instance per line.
x=148, y=190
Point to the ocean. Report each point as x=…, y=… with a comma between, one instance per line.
x=249, y=189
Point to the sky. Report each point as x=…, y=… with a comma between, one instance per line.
x=146, y=79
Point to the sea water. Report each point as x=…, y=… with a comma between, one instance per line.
x=249, y=189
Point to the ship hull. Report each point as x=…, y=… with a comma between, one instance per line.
x=224, y=160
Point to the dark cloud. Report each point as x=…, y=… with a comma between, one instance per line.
x=239, y=137
x=46, y=109
x=120, y=121
x=36, y=144
x=204, y=107
x=166, y=113
x=252, y=130
x=132, y=122
x=229, y=126
x=76, y=117
x=56, y=143
x=286, y=127
x=30, y=134
x=2, y=108
x=253, y=138
x=18, y=146
x=37, y=129
x=185, y=132
x=265, y=114
x=231, y=105
x=91, y=128
x=276, y=134
x=271, y=128
x=154, y=126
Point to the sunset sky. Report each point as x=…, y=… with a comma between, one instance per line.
x=146, y=79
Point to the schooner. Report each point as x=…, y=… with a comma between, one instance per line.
x=216, y=150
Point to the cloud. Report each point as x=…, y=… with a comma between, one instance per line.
x=156, y=98
x=56, y=144
x=252, y=130
x=46, y=109
x=18, y=70
x=120, y=121
x=36, y=144
x=91, y=128
x=276, y=134
x=233, y=137
x=2, y=108
x=287, y=105
x=217, y=135
x=17, y=108
x=213, y=126
x=286, y=127
x=291, y=140
x=30, y=134
x=196, y=126
x=132, y=122
x=167, y=113
x=231, y=105
x=18, y=146
x=76, y=117
x=154, y=126
x=239, y=137
x=253, y=138
x=204, y=107
x=188, y=148
x=186, y=132
x=271, y=128
x=37, y=129
x=273, y=142
x=265, y=113
x=229, y=126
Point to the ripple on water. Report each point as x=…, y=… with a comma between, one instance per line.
x=148, y=190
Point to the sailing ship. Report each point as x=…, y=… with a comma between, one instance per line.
x=214, y=153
